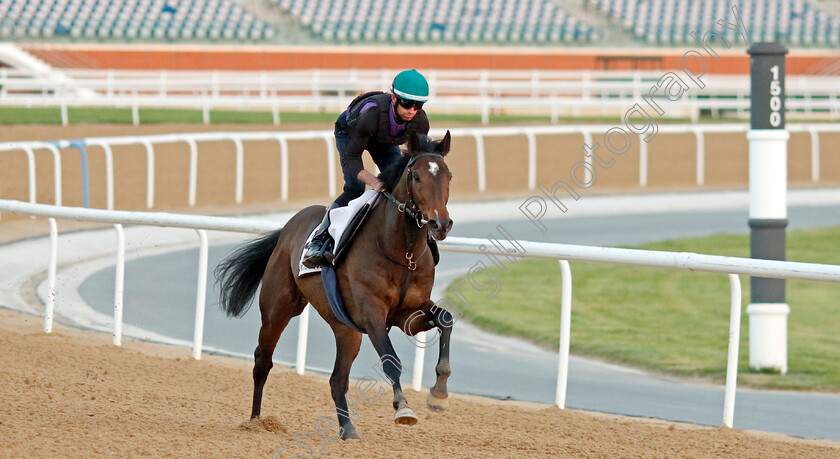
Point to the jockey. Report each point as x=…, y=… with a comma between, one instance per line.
x=377, y=122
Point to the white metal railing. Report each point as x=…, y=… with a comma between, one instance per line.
x=119, y=218
x=731, y=266
x=700, y=131
x=538, y=92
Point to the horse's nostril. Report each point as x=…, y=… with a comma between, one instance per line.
x=438, y=225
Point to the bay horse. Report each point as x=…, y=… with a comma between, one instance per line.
x=386, y=278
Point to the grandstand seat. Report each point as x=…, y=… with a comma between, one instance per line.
x=671, y=22
x=124, y=18
x=440, y=20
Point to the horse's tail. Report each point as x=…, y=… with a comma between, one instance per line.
x=239, y=275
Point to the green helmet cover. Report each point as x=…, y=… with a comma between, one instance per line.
x=409, y=84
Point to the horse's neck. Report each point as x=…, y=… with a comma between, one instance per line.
x=400, y=234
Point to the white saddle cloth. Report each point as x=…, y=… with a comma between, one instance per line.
x=339, y=219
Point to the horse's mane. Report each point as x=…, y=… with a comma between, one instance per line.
x=390, y=177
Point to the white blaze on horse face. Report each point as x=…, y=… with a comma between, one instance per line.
x=433, y=168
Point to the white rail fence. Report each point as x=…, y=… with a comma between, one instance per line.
x=479, y=135
x=483, y=92
x=732, y=266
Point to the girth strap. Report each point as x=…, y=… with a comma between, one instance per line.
x=333, y=292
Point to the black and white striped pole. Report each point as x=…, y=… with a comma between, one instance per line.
x=768, y=138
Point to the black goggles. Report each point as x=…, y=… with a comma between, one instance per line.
x=405, y=103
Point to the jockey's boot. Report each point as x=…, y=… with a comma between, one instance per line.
x=434, y=249
x=319, y=250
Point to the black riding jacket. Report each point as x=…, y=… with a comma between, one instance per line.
x=372, y=125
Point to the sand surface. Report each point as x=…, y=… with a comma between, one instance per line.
x=73, y=394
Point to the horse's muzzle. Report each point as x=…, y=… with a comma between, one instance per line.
x=440, y=228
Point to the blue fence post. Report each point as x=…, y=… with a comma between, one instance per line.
x=80, y=145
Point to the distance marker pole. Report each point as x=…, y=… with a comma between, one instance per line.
x=768, y=309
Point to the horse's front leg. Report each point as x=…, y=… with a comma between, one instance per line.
x=392, y=368
x=438, y=398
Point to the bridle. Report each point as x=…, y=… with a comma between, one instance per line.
x=410, y=208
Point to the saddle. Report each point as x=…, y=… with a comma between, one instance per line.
x=345, y=223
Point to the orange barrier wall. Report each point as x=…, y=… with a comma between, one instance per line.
x=191, y=57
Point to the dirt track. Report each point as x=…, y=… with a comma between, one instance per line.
x=74, y=394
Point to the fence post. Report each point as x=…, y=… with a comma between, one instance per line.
x=275, y=113
x=56, y=172
x=30, y=164
x=150, y=174
x=532, y=160
x=135, y=112
x=201, y=293
x=109, y=174
x=119, y=285
x=565, y=332
x=193, y=170
x=50, y=307
x=80, y=145
x=240, y=169
x=419, y=356
x=284, y=168
x=481, y=161
x=643, y=162
x=64, y=117
x=303, y=333
x=734, y=343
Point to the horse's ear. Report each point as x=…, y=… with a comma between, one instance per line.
x=413, y=142
x=443, y=146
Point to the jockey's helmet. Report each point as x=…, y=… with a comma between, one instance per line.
x=411, y=85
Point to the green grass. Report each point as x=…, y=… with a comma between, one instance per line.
x=15, y=115
x=671, y=321
x=39, y=115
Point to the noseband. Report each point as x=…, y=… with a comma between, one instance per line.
x=410, y=207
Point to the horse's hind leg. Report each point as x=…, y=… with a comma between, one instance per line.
x=277, y=309
x=347, y=343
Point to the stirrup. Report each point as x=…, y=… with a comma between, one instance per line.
x=315, y=254
x=318, y=251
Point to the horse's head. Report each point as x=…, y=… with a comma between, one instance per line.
x=428, y=180
x=424, y=182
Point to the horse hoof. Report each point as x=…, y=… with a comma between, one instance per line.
x=437, y=404
x=405, y=416
x=349, y=434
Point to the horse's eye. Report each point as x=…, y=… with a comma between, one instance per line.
x=416, y=177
